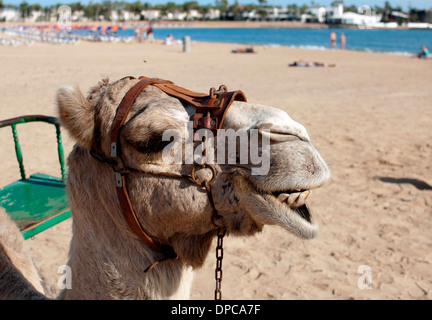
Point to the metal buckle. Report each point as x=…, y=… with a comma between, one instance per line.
x=114, y=150
x=119, y=179
x=204, y=183
x=215, y=94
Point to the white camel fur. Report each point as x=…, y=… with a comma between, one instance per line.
x=106, y=258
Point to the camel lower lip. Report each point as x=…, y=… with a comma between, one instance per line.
x=303, y=212
x=295, y=218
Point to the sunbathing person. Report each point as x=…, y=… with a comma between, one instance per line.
x=244, y=50
x=302, y=63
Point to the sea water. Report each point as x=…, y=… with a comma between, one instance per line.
x=399, y=41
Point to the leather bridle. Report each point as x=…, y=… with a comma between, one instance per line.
x=210, y=114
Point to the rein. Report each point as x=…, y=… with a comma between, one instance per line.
x=210, y=113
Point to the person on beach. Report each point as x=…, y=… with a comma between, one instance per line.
x=424, y=54
x=333, y=38
x=139, y=33
x=342, y=40
x=243, y=50
x=302, y=63
x=150, y=35
x=136, y=33
x=169, y=40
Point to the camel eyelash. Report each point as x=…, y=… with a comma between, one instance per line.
x=151, y=145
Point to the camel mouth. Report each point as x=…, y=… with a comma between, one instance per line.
x=296, y=201
x=287, y=209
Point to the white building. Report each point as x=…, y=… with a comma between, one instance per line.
x=336, y=9
x=251, y=15
x=212, y=14
x=193, y=14
x=78, y=15
x=272, y=13
x=126, y=15
x=175, y=15
x=35, y=16
x=367, y=19
x=319, y=13
x=151, y=15
x=352, y=18
x=9, y=15
x=123, y=15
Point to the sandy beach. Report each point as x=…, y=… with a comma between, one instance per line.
x=369, y=117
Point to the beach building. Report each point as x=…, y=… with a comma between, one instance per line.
x=175, y=15
x=368, y=19
x=272, y=13
x=123, y=15
x=130, y=16
x=356, y=19
x=9, y=15
x=193, y=14
x=78, y=15
x=35, y=16
x=281, y=14
x=315, y=14
x=250, y=15
x=151, y=14
x=212, y=14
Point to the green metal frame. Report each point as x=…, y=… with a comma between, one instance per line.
x=39, y=201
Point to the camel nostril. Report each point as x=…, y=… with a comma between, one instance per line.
x=276, y=136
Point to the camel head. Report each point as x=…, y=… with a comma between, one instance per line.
x=262, y=176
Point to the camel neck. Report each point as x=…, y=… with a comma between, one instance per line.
x=117, y=272
x=108, y=262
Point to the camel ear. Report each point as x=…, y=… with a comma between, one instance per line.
x=76, y=114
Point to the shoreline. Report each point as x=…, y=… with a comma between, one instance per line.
x=266, y=46
x=3, y=33
x=311, y=48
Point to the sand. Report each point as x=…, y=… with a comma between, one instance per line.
x=370, y=118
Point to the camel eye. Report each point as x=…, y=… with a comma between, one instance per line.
x=151, y=145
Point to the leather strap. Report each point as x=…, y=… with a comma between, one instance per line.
x=132, y=220
x=124, y=108
x=123, y=196
x=211, y=108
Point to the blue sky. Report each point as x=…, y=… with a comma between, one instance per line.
x=405, y=4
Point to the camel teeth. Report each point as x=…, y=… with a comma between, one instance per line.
x=292, y=198
x=302, y=198
x=283, y=196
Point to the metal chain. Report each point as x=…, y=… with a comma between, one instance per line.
x=219, y=257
